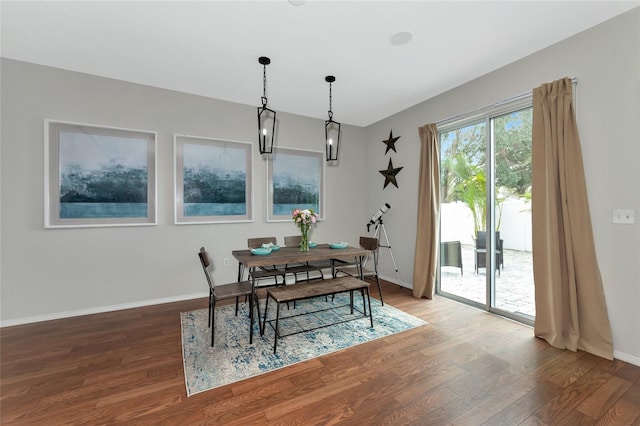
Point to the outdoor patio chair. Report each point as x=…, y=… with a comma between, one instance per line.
x=451, y=254
x=481, y=251
x=225, y=291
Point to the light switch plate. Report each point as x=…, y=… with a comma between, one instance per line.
x=623, y=216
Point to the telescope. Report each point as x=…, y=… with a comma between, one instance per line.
x=378, y=215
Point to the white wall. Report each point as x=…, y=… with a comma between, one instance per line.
x=48, y=273
x=606, y=61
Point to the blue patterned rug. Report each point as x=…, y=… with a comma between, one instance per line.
x=233, y=358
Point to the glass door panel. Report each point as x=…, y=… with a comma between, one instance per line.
x=486, y=184
x=514, y=289
x=462, y=211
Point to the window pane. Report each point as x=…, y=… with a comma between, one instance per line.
x=463, y=201
x=514, y=290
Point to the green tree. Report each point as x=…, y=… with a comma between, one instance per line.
x=471, y=188
x=463, y=175
x=513, y=151
x=460, y=146
x=463, y=163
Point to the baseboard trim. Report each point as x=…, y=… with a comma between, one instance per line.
x=100, y=309
x=627, y=358
x=395, y=281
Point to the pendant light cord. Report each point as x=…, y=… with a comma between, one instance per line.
x=264, y=85
x=330, y=99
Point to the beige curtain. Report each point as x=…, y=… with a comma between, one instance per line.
x=426, y=255
x=571, y=311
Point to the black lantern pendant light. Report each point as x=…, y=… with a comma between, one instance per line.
x=331, y=128
x=266, y=116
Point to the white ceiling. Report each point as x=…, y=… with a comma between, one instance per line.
x=211, y=48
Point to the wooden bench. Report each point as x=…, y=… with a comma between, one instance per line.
x=293, y=293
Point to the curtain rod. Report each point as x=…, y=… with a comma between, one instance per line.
x=448, y=120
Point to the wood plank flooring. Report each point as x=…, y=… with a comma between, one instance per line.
x=466, y=367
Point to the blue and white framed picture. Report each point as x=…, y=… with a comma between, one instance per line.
x=99, y=176
x=213, y=180
x=295, y=179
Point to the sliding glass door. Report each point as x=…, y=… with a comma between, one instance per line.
x=486, y=184
x=462, y=210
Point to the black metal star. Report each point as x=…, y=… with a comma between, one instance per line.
x=391, y=142
x=390, y=174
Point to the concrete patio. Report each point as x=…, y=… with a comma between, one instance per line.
x=514, y=284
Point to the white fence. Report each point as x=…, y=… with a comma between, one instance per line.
x=515, y=224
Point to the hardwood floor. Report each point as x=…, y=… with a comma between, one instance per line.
x=466, y=367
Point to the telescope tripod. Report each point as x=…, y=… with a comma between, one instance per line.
x=381, y=229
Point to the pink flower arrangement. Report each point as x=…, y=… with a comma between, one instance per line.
x=305, y=217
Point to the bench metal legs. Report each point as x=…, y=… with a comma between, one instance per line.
x=365, y=301
x=253, y=299
x=264, y=322
x=275, y=340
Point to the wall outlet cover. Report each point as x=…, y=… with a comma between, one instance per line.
x=624, y=216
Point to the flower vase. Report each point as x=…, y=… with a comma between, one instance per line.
x=304, y=240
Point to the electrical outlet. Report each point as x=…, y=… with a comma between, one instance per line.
x=624, y=216
x=226, y=261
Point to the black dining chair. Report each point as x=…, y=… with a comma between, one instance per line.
x=306, y=268
x=355, y=270
x=265, y=272
x=225, y=291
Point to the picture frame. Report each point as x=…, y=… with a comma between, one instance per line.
x=213, y=180
x=99, y=176
x=295, y=179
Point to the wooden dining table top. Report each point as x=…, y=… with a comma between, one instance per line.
x=294, y=255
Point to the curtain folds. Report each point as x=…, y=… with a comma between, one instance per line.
x=427, y=235
x=571, y=311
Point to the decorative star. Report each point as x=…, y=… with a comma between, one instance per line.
x=390, y=174
x=391, y=142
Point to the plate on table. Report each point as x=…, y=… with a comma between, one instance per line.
x=340, y=245
x=274, y=247
x=312, y=244
x=261, y=251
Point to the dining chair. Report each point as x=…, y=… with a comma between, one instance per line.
x=303, y=268
x=225, y=291
x=265, y=272
x=355, y=270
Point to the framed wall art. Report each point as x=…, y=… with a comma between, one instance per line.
x=213, y=180
x=295, y=179
x=99, y=176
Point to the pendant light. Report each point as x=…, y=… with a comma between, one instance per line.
x=266, y=116
x=331, y=128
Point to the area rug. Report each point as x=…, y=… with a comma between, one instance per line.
x=233, y=358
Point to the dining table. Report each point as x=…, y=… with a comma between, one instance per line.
x=292, y=255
